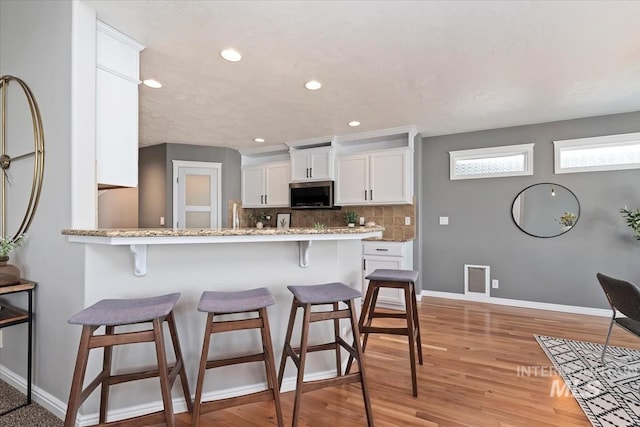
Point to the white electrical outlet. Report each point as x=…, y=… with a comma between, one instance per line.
x=495, y=284
x=407, y=220
x=444, y=220
x=161, y=220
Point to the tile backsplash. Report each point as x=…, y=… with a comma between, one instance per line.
x=392, y=217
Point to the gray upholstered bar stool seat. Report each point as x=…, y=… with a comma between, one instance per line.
x=316, y=295
x=397, y=279
x=219, y=303
x=113, y=313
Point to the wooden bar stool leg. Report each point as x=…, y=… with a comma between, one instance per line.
x=78, y=376
x=366, y=306
x=163, y=372
x=411, y=336
x=303, y=355
x=416, y=322
x=182, y=373
x=270, y=364
x=336, y=333
x=201, y=371
x=361, y=368
x=372, y=308
x=106, y=373
x=287, y=342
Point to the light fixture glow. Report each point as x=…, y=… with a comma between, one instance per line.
x=231, y=55
x=553, y=191
x=258, y=139
x=354, y=123
x=152, y=83
x=313, y=85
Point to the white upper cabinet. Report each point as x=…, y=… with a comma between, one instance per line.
x=253, y=188
x=117, y=80
x=312, y=164
x=266, y=185
x=352, y=183
x=277, y=184
x=375, y=168
x=375, y=178
x=390, y=173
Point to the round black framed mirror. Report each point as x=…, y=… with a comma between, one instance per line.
x=545, y=210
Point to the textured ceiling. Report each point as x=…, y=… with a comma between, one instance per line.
x=446, y=67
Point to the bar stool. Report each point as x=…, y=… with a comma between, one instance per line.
x=217, y=303
x=112, y=313
x=398, y=279
x=307, y=297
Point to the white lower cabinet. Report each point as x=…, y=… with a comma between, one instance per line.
x=387, y=255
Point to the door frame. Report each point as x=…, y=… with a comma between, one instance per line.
x=177, y=164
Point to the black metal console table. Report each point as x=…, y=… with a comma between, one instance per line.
x=10, y=316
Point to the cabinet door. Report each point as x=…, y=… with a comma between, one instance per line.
x=387, y=297
x=253, y=187
x=116, y=130
x=390, y=177
x=320, y=164
x=277, y=184
x=300, y=166
x=352, y=180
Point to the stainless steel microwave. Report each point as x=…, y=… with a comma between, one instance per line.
x=311, y=195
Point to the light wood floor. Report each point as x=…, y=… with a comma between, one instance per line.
x=469, y=378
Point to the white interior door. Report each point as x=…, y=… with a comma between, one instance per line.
x=196, y=194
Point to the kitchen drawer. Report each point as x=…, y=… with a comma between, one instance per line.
x=384, y=248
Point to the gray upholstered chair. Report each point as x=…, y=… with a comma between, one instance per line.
x=624, y=297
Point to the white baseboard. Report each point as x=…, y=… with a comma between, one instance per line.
x=40, y=396
x=520, y=303
x=59, y=408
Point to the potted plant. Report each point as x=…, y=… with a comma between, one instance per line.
x=633, y=220
x=257, y=218
x=9, y=274
x=350, y=218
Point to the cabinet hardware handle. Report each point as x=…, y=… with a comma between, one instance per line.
x=370, y=194
x=365, y=194
x=364, y=264
x=310, y=172
x=307, y=172
x=382, y=250
x=265, y=199
x=262, y=199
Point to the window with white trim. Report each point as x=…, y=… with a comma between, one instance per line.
x=491, y=162
x=600, y=153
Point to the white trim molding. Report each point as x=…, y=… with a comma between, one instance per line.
x=591, y=311
x=600, y=153
x=520, y=153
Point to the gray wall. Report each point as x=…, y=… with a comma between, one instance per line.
x=35, y=45
x=156, y=190
x=481, y=231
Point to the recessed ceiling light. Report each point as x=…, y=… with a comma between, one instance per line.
x=313, y=85
x=231, y=55
x=152, y=83
x=259, y=139
x=354, y=123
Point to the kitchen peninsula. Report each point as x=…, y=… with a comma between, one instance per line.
x=191, y=261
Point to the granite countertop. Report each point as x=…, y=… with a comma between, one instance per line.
x=194, y=232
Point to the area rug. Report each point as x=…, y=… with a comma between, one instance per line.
x=609, y=395
x=32, y=415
